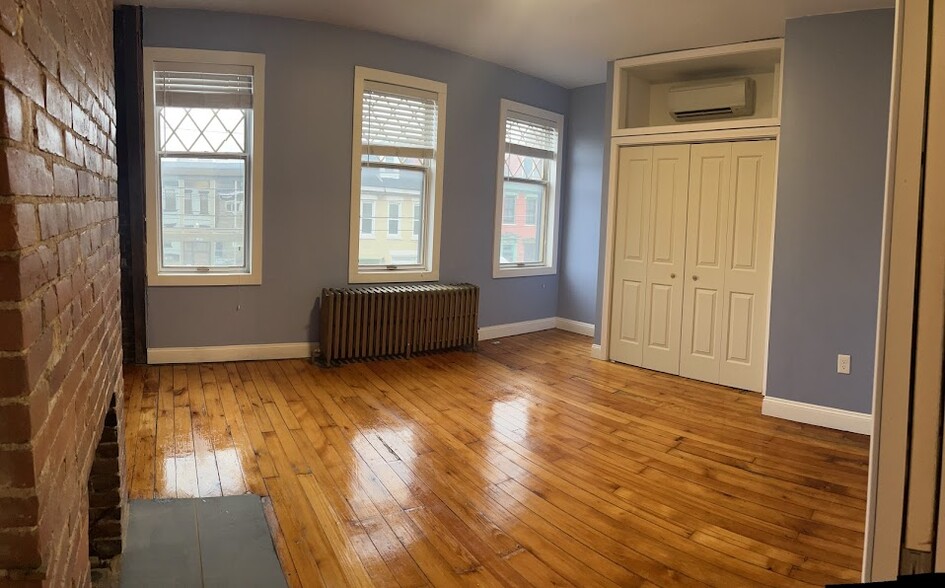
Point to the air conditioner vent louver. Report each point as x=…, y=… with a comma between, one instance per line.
x=712, y=99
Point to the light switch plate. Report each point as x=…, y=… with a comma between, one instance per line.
x=843, y=364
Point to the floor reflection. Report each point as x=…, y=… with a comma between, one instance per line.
x=511, y=417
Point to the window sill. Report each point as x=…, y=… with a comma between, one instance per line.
x=518, y=272
x=194, y=279
x=391, y=276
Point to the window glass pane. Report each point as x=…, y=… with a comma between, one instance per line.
x=382, y=183
x=213, y=195
x=522, y=241
x=508, y=249
x=202, y=130
x=417, y=219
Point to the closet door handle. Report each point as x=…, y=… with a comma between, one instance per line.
x=695, y=278
x=672, y=276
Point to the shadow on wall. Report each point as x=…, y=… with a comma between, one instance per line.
x=314, y=320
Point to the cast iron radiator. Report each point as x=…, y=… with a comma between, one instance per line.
x=384, y=321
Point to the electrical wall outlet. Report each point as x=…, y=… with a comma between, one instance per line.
x=843, y=364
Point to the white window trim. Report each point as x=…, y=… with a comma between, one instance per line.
x=152, y=193
x=431, y=271
x=552, y=202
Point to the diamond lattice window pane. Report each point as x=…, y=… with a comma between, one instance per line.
x=202, y=130
x=521, y=167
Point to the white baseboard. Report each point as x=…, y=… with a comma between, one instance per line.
x=509, y=329
x=824, y=416
x=552, y=322
x=159, y=355
x=574, y=326
x=597, y=352
x=216, y=353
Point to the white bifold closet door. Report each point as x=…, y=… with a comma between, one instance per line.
x=649, y=260
x=692, y=263
x=709, y=194
x=747, y=265
x=634, y=173
x=728, y=256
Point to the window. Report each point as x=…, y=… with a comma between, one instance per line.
x=393, y=220
x=397, y=164
x=204, y=129
x=531, y=210
x=529, y=169
x=367, y=219
x=204, y=197
x=509, y=244
x=169, y=197
x=508, y=211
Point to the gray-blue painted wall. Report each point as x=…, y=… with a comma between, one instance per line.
x=580, y=218
x=607, y=115
x=831, y=179
x=309, y=85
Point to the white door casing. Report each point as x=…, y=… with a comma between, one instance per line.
x=665, y=257
x=709, y=189
x=630, y=240
x=747, y=264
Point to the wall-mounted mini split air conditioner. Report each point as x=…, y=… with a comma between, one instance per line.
x=712, y=99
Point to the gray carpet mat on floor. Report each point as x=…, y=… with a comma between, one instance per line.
x=200, y=542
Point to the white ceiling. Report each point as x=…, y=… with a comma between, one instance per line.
x=564, y=41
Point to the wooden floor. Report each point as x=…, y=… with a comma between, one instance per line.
x=526, y=463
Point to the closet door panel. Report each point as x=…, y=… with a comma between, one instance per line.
x=628, y=295
x=660, y=311
x=747, y=264
x=666, y=251
x=709, y=188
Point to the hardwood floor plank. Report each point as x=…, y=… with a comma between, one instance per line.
x=282, y=549
x=208, y=472
x=165, y=464
x=247, y=446
x=140, y=430
x=229, y=466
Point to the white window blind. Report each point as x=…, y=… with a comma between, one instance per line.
x=530, y=138
x=183, y=85
x=398, y=122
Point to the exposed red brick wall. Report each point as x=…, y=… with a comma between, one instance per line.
x=60, y=333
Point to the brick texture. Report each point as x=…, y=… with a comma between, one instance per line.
x=62, y=496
